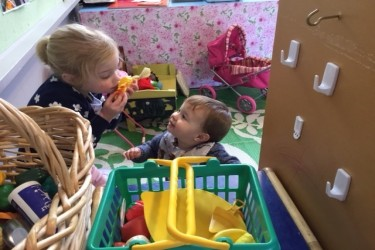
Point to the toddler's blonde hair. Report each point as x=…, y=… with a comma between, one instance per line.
x=75, y=49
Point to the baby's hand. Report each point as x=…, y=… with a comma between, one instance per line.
x=132, y=153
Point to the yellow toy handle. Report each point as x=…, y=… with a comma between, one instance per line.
x=189, y=236
x=173, y=186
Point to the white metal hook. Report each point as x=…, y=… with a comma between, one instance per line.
x=340, y=187
x=327, y=86
x=292, y=59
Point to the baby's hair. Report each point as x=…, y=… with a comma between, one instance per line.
x=75, y=49
x=218, y=120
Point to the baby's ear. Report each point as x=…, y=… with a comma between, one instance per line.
x=202, y=137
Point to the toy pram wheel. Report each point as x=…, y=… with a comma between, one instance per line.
x=208, y=91
x=246, y=104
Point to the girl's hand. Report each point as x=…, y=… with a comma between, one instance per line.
x=132, y=88
x=114, y=105
x=132, y=153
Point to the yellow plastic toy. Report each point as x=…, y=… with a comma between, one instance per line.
x=236, y=235
x=227, y=218
x=178, y=216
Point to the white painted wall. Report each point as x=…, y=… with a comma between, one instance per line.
x=20, y=89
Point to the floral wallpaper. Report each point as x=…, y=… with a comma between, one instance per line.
x=179, y=35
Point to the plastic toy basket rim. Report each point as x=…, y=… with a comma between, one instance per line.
x=103, y=233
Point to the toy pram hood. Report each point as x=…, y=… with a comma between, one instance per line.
x=230, y=44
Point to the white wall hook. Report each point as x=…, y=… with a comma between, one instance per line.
x=340, y=187
x=298, y=124
x=327, y=86
x=292, y=59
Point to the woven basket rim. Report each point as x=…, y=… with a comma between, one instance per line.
x=68, y=220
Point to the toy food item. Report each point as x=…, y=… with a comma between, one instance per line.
x=118, y=244
x=137, y=240
x=136, y=226
x=13, y=232
x=146, y=72
x=5, y=190
x=126, y=81
x=3, y=176
x=123, y=84
x=135, y=210
x=49, y=186
x=236, y=235
x=151, y=82
x=33, y=174
x=226, y=218
x=145, y=83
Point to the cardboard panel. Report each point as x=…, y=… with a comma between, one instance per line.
x=337, y=130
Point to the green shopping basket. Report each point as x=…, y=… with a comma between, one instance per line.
x=229, y=181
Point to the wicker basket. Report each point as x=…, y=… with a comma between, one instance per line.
x=58, y=140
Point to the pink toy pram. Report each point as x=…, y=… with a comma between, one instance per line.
x=230, y=65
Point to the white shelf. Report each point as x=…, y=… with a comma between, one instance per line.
x=17, y=55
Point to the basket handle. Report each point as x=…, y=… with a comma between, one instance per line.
x=189, y=236
x=41, y=141
x=35, y=127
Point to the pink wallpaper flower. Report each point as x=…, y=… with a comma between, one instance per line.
x=179, y=35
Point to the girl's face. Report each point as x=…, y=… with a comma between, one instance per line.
x=186, y=125
x=106, y=76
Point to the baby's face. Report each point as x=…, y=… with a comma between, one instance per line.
x=186, y=124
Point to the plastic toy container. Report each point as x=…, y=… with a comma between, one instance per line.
x=231, y=182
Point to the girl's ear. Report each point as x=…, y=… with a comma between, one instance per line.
x=202, y=137
x=68, y=78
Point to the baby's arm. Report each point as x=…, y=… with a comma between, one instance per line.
x=222, y=155
x=143, y=152
x=132, y=153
